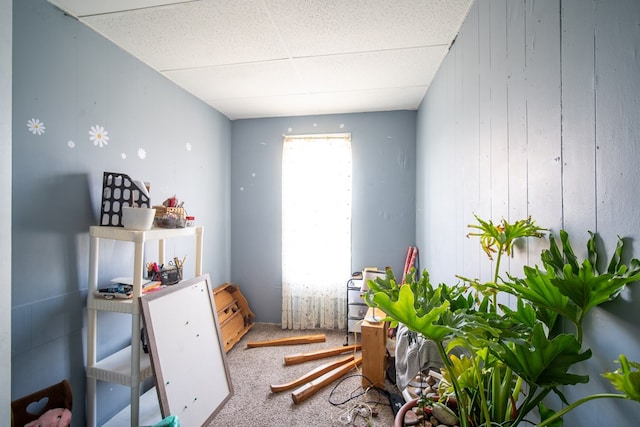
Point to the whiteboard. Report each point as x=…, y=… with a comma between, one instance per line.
x=186, y=351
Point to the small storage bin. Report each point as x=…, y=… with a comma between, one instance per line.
x=355, y=296
x=358, y=311
x=167, y=276
x=55, y=396
x=355, y=325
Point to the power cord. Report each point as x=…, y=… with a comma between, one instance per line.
x=361, y=405
x=350, y=416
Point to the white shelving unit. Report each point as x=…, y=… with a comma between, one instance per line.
x=130, y=366
x=356, y=307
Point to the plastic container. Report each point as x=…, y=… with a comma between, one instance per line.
x=137, y=218
x=191, y=220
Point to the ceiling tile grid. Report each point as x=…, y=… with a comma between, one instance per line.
x=240, y=80
x=196, y=34
x=322, y=103
x=370, y=70
x=266, y=58
x=323, y=27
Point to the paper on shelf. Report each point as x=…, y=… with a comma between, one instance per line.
x=128, y=281
x=142, y=186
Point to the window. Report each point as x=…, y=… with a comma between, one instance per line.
x=316, y=230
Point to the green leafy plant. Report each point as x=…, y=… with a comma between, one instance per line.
x=502, y=362
x=499, y=239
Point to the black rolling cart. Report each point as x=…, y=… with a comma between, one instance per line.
x=356, y=306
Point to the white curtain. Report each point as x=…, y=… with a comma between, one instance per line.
x=316, y=230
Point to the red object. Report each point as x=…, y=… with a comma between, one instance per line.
x=406, y=263
x=410, y=260
x=413, y=258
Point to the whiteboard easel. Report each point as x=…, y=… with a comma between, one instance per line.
x=186, y=351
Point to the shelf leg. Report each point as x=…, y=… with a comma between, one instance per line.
x=91, y=330
x=199, y=245
x=138, y=266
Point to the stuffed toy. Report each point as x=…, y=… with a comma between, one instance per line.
x=57, y=417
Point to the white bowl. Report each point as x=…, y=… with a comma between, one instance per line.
x=137, y=218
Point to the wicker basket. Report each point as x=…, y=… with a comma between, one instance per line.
x=162, y=211
x=169, y=217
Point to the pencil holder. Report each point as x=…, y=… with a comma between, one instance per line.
x=166, y=276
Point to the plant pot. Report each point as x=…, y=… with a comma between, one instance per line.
x=399, y=420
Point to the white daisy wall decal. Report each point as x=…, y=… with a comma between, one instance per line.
x=142, y=153
x=98, y=136
x=188, y=146
x=35, y=126
x=123, y=156
x=71, y=144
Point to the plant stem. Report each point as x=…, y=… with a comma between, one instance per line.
x=514, y=395
x=497, y=270
x=502, y=402
x=579, y=328
x=531, y=401
x=462, y=403
x=577, y=403
x=483, y=399
x=495, y=278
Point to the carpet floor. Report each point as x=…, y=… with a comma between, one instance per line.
x=345, y=402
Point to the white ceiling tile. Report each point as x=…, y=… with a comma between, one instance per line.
x=266, y=58
x=370, y=70
x=240, y=80
x=319, y=27
x=197, y=34
x=321, y=103
x=81, y=8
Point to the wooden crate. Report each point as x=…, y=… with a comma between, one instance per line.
x=234, y=315
x=232, y=329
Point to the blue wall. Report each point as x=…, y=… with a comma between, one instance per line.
x=69, y=78
x=383, y=146
x=535, y=112
x=6, y=35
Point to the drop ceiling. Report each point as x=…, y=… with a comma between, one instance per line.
x=269, y=58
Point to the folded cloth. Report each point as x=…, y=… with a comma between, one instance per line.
x=56, y=417
x=414, y=356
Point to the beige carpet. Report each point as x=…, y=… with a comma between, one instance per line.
x=253, y=370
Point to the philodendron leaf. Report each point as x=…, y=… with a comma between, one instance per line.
x=616, y=258
x=536, y=288
x=387, y=284
x=403, y=310
x=545, y=362
x=524, y=316
x=464, y=370
x=587, y=289
x=582, y=283
x=547, y=413
x=495, y=238
x=626, y=378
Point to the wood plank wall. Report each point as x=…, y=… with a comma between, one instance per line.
x=536, y=111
